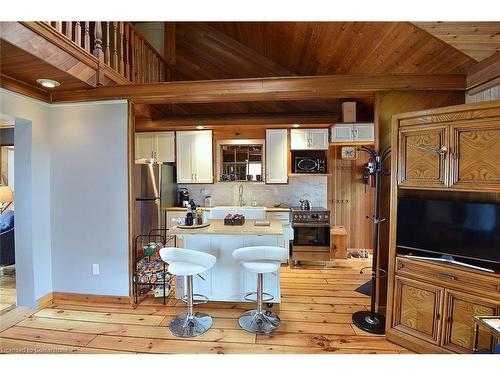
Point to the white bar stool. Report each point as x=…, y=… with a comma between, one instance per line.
x=184, y=262
x=260, y=260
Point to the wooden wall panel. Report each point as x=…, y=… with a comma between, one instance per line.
x=350, y=200
x=387, y=104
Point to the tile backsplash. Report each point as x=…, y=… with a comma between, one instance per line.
x=226, y=193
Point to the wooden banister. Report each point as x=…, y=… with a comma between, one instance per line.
x=117, y=45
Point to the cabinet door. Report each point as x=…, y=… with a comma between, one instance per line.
x=165, y=146
x=202, y=157
x=276, y=156
x=458, y=325
x=420, y=163
x=342, y=133
x=318, y=139
x=417, y=309
x=144, y=146
x=184, y=157
x=299, y=139
x=363, y=132
x=474, y=156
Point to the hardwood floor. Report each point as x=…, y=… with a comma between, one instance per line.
x=315, y=312
x=7, y=288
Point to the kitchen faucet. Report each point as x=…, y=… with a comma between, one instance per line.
x=240, y=194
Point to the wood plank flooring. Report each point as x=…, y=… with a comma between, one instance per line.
x=7, y=288
x=315, y=312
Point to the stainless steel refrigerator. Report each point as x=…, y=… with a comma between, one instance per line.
x=154, y=191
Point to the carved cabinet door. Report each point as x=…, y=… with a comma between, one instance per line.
x=422, y=159
x=458, y=325
x=475, y=156
x=417, y=309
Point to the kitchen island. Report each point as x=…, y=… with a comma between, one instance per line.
x=227, y=281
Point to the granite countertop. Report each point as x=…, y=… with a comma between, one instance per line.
x=217, y=227
x=268, y=209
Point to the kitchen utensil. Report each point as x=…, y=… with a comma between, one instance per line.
x=305, y=204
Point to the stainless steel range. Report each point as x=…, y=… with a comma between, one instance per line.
x=311, y=229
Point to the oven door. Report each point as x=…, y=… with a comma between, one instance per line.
x=307, y=235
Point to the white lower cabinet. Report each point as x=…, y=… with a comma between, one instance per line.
x=276, y=156
x=194, y=157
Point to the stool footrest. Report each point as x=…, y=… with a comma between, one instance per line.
x=204, y=299
x=270, y=297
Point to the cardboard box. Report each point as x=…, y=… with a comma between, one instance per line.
x=349, y=112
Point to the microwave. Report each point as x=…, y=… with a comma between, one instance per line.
x=309, y=165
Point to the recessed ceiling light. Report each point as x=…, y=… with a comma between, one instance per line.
x=199, y=127
x=296, y=125
x=49, y=83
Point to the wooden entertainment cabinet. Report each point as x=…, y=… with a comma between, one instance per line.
x=448, y=153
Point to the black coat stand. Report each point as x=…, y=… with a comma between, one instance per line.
x=371, y=321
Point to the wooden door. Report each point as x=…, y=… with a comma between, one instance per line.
x=318, y=139
x=475, y=152
x=144, y=146
x=299, y=139
x=417, y=309
x=420, y=165
x=276, y=156
x=202, y=155
x=458, y=325
x=185, y=174
x=165, y=145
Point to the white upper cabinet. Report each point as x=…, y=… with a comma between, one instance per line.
x=309, y=139
x=194, y=157
x=165, y=145
x=276, y=156
x=342, y=133
x=159, y=146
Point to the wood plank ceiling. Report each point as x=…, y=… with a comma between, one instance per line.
x=478, y=40
x=222, y=50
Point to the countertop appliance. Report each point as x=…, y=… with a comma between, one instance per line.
x=311, y=234
x=303, y=164
x=183, y=197
x=154, y=189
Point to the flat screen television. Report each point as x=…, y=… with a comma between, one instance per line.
x=462, y=232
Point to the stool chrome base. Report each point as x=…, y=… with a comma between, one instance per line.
x=255, y=321
x=195, y=325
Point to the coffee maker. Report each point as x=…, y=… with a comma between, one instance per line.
x=183, y=195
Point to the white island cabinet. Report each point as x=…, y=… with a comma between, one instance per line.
x=227, y=281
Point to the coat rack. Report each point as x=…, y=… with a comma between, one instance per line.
x=371, y=321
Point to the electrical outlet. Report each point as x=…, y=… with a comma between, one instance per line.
x=95, y=269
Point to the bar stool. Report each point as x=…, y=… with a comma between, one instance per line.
x=260, y=260
x=184, y=262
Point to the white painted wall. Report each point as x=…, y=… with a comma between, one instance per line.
x=89, y=195
x=71, y=196
x=32, y=223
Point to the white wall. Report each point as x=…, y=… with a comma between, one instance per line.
x=89, y=195
x=71, y=196
x=32, y=221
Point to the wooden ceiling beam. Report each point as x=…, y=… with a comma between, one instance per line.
x=182, y=122
x=484, y=74
x=266, y=89
x=12, y=84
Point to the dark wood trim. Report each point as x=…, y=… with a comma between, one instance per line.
x=484, y=72
x=232, y=119
x=22, y=88
x=131, y=193
x=266, y=89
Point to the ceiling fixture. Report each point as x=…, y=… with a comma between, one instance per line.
x=199, y=127
x=49, y=83
x=296, y=125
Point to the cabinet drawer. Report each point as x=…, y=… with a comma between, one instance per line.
x=283, y=216
x=449, y=276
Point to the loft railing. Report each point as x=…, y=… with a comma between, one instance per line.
x=117, y=45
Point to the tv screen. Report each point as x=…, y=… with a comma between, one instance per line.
x=459, y=229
